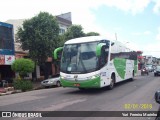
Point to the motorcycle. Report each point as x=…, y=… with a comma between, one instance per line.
x=144, y=71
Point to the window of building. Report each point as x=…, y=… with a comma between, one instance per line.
x=62, y=31
x=6, y=38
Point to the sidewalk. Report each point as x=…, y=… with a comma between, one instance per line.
x=6, y=90
x=11, y=90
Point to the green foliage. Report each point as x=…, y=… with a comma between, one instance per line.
x=39, y=35
x=92, y=34
x=23, y=66
x=23, y=85
x=74, y=31
x=62, y=40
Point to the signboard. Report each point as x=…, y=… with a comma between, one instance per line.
x=9, y=59
x=2, y=59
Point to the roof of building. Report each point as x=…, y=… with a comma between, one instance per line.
x=64, y=20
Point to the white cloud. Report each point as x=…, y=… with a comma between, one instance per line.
x=158, y=35
x=156, y=8
x=147, y=32
x=152, y=49
x=136, y=33
x=81, y=13
x=133, y=6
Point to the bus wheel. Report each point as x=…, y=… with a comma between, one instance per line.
x=132, y=79
x=58, y=84
x=111, y=86
x=82, y=89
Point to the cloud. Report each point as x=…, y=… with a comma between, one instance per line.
x=133, y=6
x=156, y=8
x=81, y=11
x=147, y=32
x=158, y=35
x=136, y=33
x=152, y=49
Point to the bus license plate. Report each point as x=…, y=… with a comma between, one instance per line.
x=77, y=84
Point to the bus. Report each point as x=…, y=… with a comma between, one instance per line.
x=95, y=62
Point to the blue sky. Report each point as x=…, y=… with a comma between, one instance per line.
x=136, y=22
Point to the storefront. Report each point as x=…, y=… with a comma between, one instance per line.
x=7, y=53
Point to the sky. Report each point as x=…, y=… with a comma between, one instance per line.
x=136, y=23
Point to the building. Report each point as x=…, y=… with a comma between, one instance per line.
x=149, y=59
x=140, y=60
x=64, y=21
x=7, y=52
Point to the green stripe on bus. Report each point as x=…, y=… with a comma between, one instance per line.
x=120, y=65
x=135, y=66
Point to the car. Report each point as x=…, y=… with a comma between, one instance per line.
x=157, y=70
x=51, y=82
x=149, y=68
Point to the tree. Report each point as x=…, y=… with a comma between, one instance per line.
x=92, y=34
x=74, y=31
x=39, y=35
x=62, y=40
x=23, y=66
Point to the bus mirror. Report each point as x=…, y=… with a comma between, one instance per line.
x=157, y=96
x=99, y=49
x=57, y=53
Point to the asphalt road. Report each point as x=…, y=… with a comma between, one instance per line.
x=140, y=92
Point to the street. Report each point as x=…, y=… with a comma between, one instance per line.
x=138, y=92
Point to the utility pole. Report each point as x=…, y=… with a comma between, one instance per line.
x=116, y=36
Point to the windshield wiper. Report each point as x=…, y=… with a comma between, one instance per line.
x=82, y=64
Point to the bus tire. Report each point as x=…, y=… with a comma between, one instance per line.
x=58, y=84
x=132, y=79
x=82, y=89
x=111, y=86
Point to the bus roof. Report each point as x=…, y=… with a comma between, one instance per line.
x=86, y=39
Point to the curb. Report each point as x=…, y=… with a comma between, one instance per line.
x=8, y=91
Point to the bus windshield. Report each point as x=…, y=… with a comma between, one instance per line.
x=79, y=58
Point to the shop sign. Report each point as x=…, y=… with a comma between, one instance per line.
x=2, y=60
x=9, y=59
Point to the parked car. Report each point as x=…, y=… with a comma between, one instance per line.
x=149, y=68
x=51, y=82
x=157, y=70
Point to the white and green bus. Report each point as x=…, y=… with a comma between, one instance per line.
x=95, y=62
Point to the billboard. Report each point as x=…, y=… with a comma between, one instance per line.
x=7, y=59
x=2, y=59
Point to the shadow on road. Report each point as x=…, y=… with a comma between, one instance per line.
x=95, y=91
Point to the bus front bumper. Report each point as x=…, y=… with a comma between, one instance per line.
x=90, y=83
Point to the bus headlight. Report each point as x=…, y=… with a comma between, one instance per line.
x=93, y=77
